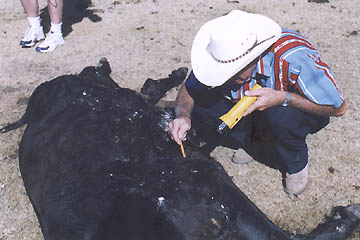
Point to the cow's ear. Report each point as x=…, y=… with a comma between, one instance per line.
x=103, y=68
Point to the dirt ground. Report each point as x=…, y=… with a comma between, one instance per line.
x=150, y=38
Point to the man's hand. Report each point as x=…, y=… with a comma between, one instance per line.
x=266, y=97
x=179, y=127
x=182, y=123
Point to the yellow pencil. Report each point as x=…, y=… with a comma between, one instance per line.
x=182, y=149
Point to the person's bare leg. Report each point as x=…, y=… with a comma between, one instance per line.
x=31, y=7
x=55, y=10
x=34, y=33
x=54, y=38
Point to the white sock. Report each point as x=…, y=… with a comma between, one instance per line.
x=34, y=21
x=56, y=28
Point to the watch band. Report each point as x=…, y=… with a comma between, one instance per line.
x=287, y=99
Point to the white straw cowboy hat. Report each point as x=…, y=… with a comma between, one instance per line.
x=225, y=45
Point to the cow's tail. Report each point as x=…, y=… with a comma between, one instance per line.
x=22, y=121
x=339, y=226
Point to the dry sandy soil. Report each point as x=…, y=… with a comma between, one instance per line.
x=150, y=38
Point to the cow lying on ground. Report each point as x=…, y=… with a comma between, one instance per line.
x=97, y=163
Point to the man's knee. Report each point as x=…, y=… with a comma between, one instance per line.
x=286, y=123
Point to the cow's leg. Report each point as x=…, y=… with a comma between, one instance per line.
x=340, y=226
x=252, y=224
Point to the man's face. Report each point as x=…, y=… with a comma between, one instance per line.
x=244, y=75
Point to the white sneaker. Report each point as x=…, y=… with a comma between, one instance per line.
x=52, y=41
x=32, y=35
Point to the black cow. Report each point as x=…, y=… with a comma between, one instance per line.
x=97, y=163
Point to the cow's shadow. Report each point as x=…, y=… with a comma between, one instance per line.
x=74, y=11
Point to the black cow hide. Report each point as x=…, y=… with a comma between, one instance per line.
x=97, y=163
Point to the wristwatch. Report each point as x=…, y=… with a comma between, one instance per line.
x=287, y=99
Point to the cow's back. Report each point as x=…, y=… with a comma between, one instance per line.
x=101, y=165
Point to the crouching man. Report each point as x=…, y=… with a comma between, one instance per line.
x=230, y=54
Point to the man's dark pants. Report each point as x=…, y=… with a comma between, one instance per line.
x=275, y=136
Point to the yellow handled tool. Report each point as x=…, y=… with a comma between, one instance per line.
x=233, y=116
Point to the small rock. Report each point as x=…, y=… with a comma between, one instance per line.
x=353, y=33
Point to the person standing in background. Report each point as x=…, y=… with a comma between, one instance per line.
x=35, y=32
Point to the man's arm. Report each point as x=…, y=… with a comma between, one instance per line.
x=268, y=97
x=313, y=108
x=184, y=103
x=182, y=123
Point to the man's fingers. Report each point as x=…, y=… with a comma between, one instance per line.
x=250, y=109
x=178, y=129
x=183, y=131
x=176, y=137
x=251, y=93
x=173, y=130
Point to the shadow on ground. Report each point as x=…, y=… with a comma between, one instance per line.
x=74, y=11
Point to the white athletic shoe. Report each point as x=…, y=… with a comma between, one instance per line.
x=32, y=35
x=52, y=41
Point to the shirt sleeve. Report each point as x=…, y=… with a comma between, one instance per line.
x=194, y=87
x=316, y=81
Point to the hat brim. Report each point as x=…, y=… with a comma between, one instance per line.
x=213, y=73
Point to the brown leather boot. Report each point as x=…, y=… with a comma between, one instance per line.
x=295, y=183
x=241, y=157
